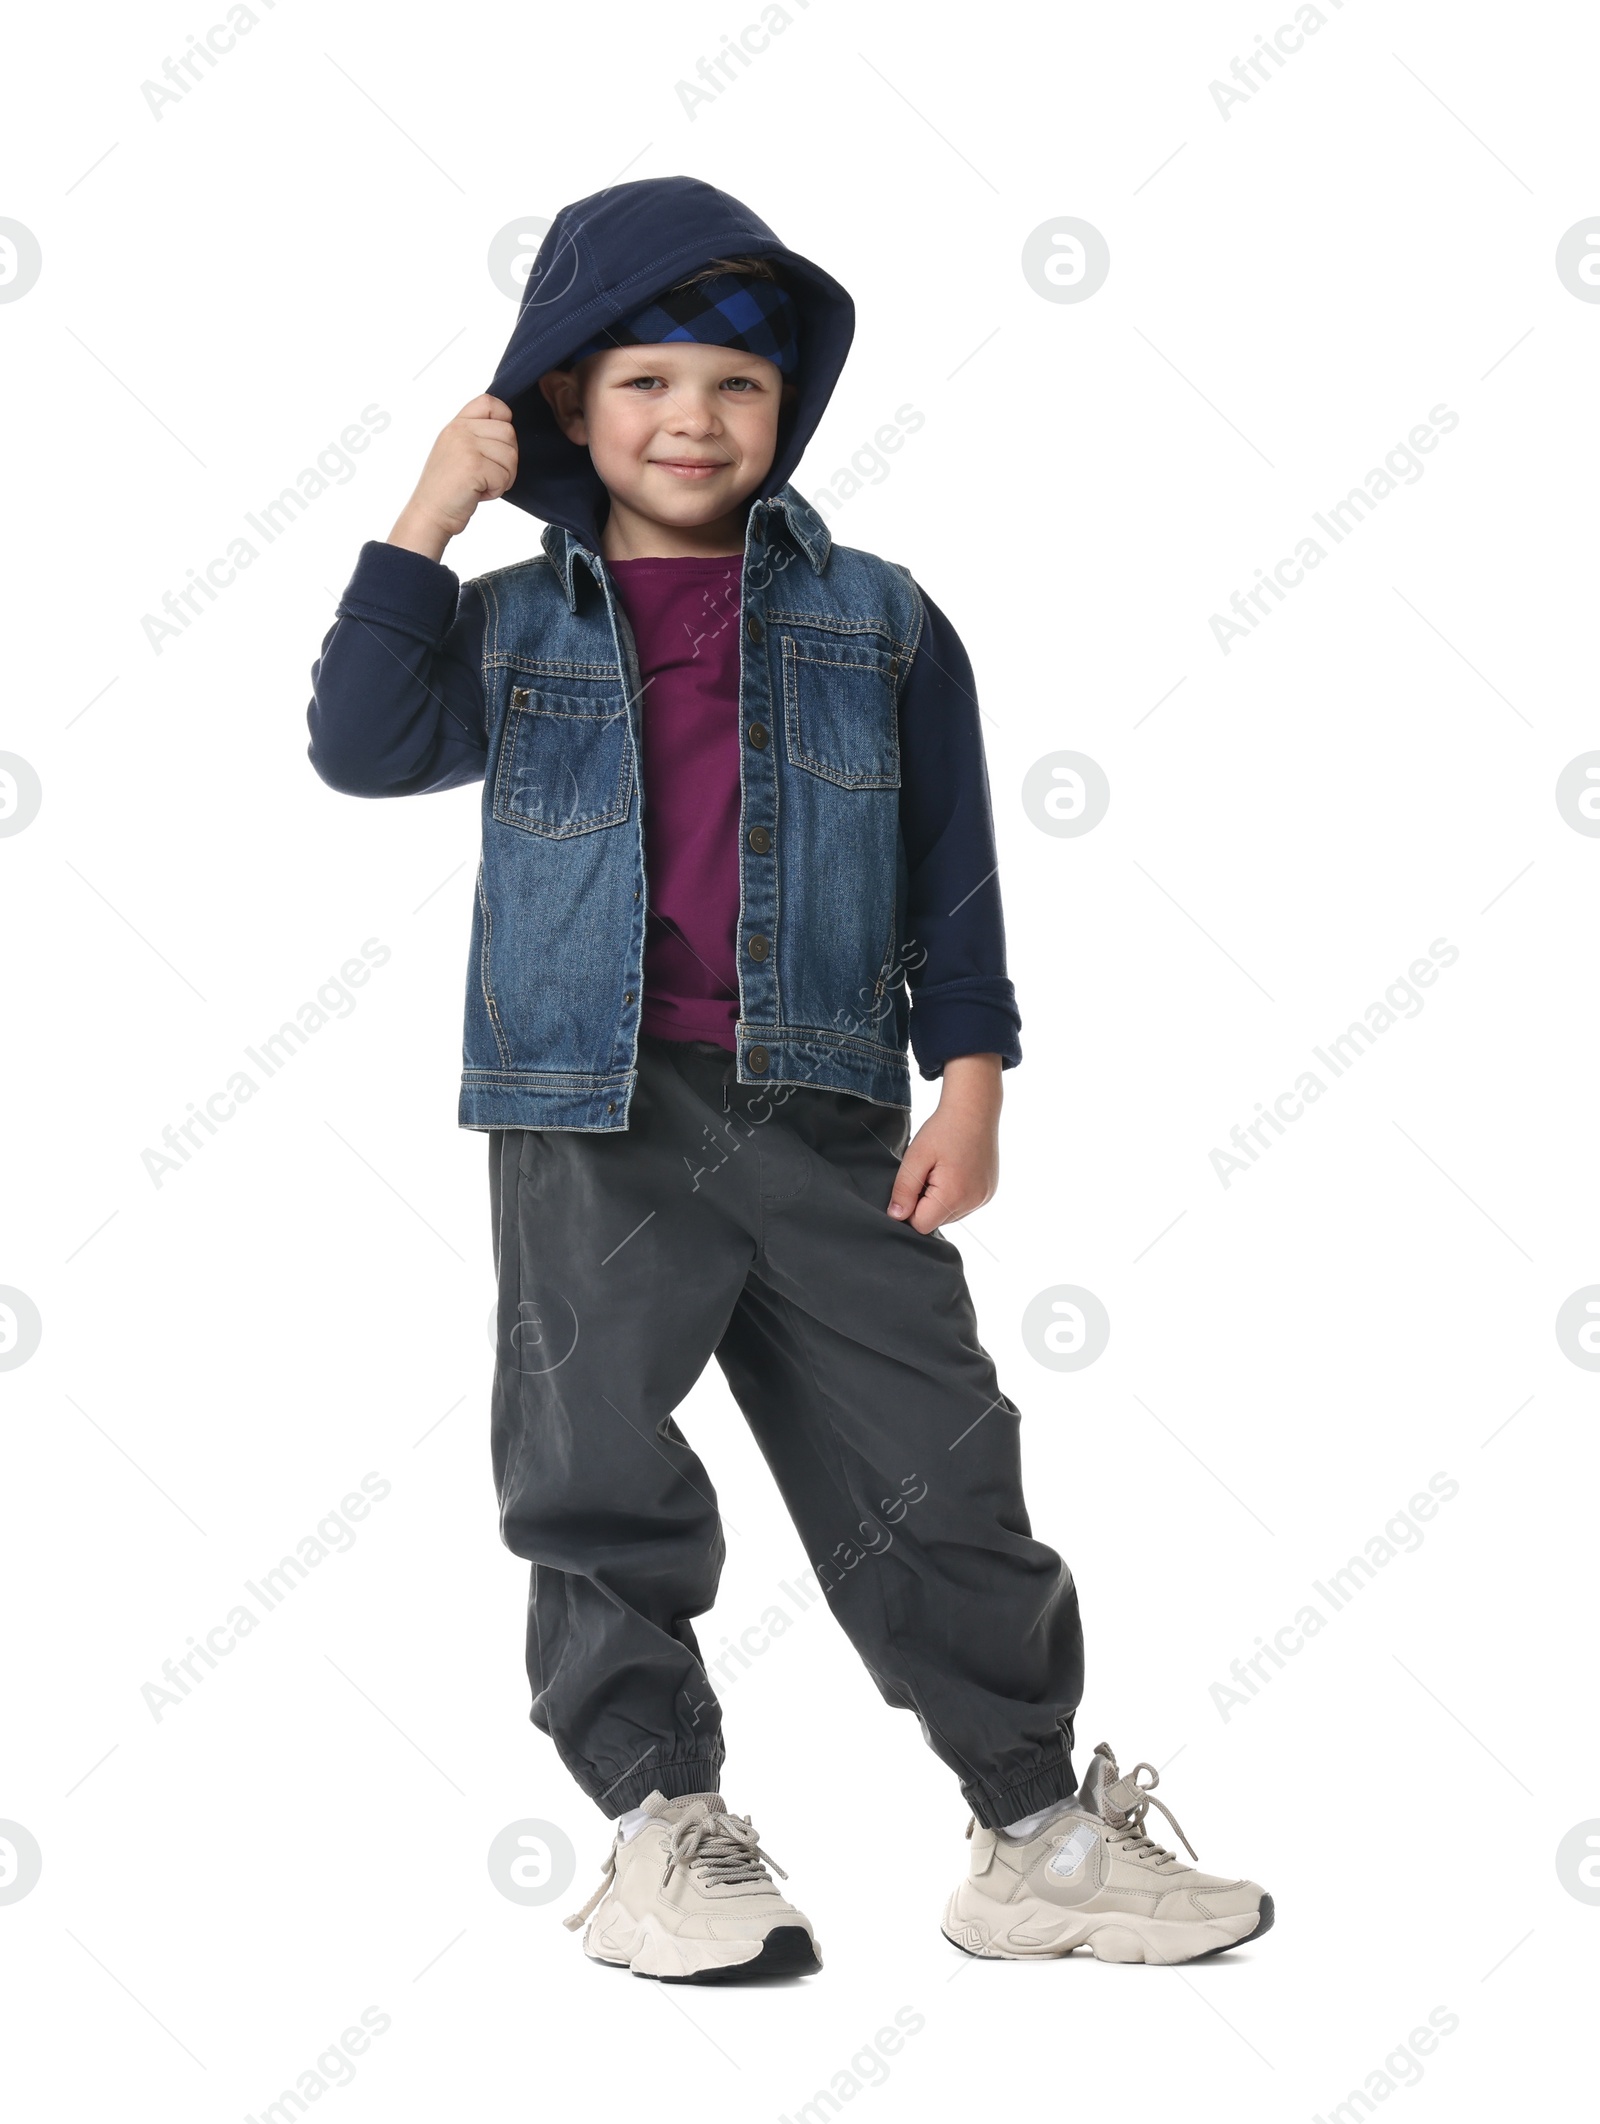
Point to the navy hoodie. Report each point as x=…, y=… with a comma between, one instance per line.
x=397, y=693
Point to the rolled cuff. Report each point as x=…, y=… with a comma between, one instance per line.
x=970, y=1017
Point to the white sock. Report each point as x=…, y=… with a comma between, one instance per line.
x=629, y=1824
x=1031, y=1824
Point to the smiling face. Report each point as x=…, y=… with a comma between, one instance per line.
x=682, y=435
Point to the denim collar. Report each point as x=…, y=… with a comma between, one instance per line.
x=789, y=513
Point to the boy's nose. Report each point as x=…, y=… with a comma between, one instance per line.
x=693, y=420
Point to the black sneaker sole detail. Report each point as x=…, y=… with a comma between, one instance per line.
x=787, y=1951
x=1265, y=1917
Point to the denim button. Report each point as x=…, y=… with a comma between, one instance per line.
x=759, y=947
x=752, y=627
x=628, y=996
x=756, y=1058
x=759, y=838
x=758, y=735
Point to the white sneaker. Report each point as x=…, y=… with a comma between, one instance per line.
x=688, y=1899
x=1089, y=1876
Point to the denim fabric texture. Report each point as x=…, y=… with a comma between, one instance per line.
x=553, y=1006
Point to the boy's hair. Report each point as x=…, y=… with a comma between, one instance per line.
x=751, y=268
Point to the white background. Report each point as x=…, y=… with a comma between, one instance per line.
x=1372, y=1302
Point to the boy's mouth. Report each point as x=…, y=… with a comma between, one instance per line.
x=690, y=467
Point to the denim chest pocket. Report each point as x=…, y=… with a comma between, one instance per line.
x=566, y=757
x=839, y=709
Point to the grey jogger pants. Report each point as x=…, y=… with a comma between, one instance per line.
x=751, y=1225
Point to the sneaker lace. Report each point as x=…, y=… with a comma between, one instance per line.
x=722, y=1851
x=608, y=1874
x=1127, y=1803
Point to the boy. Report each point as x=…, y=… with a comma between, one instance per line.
x=737, y=850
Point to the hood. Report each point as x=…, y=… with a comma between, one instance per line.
x=602, y=258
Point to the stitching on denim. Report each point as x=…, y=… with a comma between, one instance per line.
x=565, y=715
x=583, y=822
x=881, y=979
x=793, y=658
x=793, y=1035
x=922, y=622
x=491, y=607
x=490, y=1005
x=513, y=1079
x=833, y=623
x=495, y=575
x=554, y=667
x=546, y=1128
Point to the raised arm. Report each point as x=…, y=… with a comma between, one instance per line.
x=397, y=704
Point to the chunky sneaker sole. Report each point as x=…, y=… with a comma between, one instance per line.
x=1032, y=1931
x=787, y=1950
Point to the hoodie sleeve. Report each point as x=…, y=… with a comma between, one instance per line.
x=962, y=1002
x=397, y=706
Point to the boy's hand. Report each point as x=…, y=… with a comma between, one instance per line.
x=474, y=460
x=952, y=1163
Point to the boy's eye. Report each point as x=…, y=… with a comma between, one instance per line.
x=744, y=384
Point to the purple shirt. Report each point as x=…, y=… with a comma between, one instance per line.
x=685, y=619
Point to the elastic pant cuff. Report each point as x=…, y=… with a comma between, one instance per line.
x=699, y=1773
x=995, y=1805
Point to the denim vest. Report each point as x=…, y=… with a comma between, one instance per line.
x=826, y=638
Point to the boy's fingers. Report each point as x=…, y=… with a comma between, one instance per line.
x=500, y=448
x=943, y=1203
x=914, y=1169
x=493, y=434
x=483, y=407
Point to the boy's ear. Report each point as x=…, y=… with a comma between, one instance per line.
x=565, y=400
